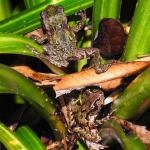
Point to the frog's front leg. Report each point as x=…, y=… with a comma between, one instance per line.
x=80, y=23
x=82, y=53
x=38, y=35
x=40, y=40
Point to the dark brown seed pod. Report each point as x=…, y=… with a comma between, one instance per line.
x=111, y=38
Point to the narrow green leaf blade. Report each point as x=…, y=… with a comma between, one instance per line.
x=10, y=140
x=81, y=145
x=13, y=82
x=137, y=93
x=5, y=10
x=138, y=42
x=28, y=137
x=15, y=44
x=29, y=19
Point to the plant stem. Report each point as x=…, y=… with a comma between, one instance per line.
x=138, y=42
x=5, y=10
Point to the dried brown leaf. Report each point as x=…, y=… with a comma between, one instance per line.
x=43, y=78
x=107, y=80
x=109, y=85
x=90, y=77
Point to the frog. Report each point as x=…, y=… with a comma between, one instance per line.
x=83, y=117
x=60, y=41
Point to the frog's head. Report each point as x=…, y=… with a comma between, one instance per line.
x=52, y=10
x=53, y=16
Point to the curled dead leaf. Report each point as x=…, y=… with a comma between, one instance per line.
x=110, y=79
x=42, y=78
x=89, y=77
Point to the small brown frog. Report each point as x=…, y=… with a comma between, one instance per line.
x=82, y=117
x=61, y=45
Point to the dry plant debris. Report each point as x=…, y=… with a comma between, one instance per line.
x=89, y=77
x=110, y=79
x=36, y=76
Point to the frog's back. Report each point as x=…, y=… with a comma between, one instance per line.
x=63, y=47
x=61, y=39
x=65, y=42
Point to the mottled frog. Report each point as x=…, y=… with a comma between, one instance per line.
x=83, y=117
x=61, y=43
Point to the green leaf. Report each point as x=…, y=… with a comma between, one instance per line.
x=15, y=44
x=29, y=19
x=138, y=42
x=5, y=10
x=28, y=137
x=84, y=44
x=13, y=82
x=81, y=145
x=134, y=143
x=137, y=93
x=31, y=3
x=10, y=140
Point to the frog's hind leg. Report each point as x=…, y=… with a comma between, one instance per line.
x=97, y=63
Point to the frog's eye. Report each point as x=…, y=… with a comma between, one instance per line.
x=59, y=26
x=60, y=9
